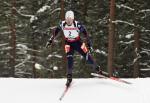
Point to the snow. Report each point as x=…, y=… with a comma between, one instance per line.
x=144, y=41
x=55, y=10
x=55, y=1
x=145, y=69
x=55, y=68
x=33, y=18
x=129, y=36
x=43, y=9
x=5, y=48
x=128, y=43
x=41, y=67
x=125, y=7
x=101, y=52
x=145, y=10
x=4, y=44
x=24, y=61
x=125, y=22
x=5, y=33
x=145, y=52
x=22, y=46
x=54, y=55
x=24, y=15
x=38, y=66
x=90, y=90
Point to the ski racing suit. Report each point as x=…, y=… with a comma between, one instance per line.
x=73, y=42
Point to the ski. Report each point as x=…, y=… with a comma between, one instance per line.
x=112, y=78
x=64, y=92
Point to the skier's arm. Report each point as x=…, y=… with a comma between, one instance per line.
x=83, y=30
x=54, y=34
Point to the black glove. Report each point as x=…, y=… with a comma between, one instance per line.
x=90, y=48
x=49, y=43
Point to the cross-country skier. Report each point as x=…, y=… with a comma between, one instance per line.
x=71, y=30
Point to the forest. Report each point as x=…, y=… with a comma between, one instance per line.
x=119, y=31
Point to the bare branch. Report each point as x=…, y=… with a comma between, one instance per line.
x=25, y=60
x=125, y=7
x=125, y=22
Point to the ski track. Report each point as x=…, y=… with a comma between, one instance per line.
x=89, y=90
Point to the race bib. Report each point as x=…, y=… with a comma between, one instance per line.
x=71, y=32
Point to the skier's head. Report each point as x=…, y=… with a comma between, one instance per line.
x=69, y=17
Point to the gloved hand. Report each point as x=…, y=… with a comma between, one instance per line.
x=90, y=48
x=48, y=43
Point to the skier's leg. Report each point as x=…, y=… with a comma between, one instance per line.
x=69, y=79
x=82, y=49
x=69, y=51
x=69, y=68
x=69, y=63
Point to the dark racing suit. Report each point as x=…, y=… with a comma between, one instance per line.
x=73, y=42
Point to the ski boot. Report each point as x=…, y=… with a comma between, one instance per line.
x=99, y=71
x=69, y=80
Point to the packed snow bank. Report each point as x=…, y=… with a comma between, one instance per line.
x=91, y=90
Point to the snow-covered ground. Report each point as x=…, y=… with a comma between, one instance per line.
x=90, y=90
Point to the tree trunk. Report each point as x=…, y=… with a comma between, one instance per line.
x=34, y=54
x=136, y=44
x=111, y=38
x=62, y=42
x=136, y=53
x=84, y=10
x=62, y=14
x=13, y=39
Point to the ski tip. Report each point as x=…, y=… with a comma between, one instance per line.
x=113, y=78
x=94, y=74
x=98, y=75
